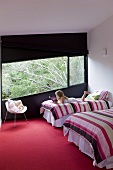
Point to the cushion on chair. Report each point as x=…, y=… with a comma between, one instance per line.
x=16, y=106
x=19, y=104
x=11, y=107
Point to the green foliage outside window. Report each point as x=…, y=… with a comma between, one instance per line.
x=36, y=76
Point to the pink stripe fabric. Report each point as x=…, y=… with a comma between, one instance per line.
x=60, y=109
x=79, y=107
x=107, y=122
x=98, y=104
x=90, y=133
x=104, y=95
x=84, y=107
x=101, y=106
x=105, y=135
x=56, y=112
x=67, y=108
x=108, y=112
x=104, y=142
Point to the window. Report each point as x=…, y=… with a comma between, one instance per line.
x=76, y=66
x=36, y=76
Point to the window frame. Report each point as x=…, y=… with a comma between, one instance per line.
x=68, y=72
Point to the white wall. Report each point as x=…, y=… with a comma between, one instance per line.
x=100, y=66
x=0, y=81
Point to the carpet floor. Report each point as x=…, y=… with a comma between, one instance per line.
x=39, y=146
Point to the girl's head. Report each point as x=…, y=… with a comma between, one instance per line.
x=59, y=94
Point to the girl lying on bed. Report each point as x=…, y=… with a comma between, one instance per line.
x=61, y=98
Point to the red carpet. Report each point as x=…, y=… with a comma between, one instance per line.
x=39, y=146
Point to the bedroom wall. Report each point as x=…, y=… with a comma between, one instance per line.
x=100, y=67
x=0, y=81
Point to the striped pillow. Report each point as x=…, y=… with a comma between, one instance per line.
x=104, y=94
x=81, y=107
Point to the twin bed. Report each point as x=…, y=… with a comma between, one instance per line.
x=92, y=132
x=89, y=125
x=56, y=114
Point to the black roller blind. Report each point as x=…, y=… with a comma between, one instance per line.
x=38, y=46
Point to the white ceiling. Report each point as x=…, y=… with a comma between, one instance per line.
x=52, y=16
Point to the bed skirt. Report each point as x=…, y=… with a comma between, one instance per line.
x=50, y=119
x=86, y=147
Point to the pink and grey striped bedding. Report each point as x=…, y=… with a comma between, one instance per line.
x=97, y=128
x=60, y=110
x=98, y=104
x=104, y=95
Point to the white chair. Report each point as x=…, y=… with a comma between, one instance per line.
x=12, y=111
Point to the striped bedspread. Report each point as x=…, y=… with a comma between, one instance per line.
x=97, y=128
x=60, y=110
x=98, y=104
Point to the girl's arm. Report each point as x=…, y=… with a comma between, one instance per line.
x=84, y=95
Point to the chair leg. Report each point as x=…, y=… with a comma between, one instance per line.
x=15, y=120
x=25, y=117
x=5, y=116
